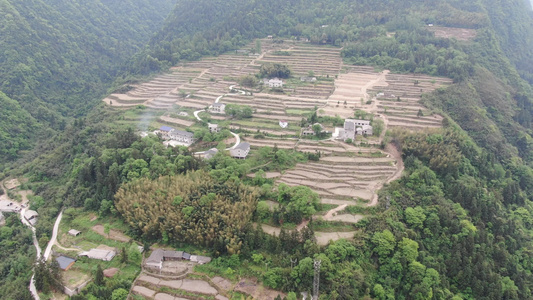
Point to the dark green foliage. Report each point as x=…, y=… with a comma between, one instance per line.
x=238, y=111
x=274, y=70
x=17, y=127
x=99, y=276
x=48, y=276
x=211, y=213
x=17, y=255
x=58, y=58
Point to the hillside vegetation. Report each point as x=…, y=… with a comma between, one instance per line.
x=457, y=225
x=58, y=57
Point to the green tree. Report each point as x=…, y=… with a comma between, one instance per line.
x=119, y=294
x=415, y=217
x=274, y=70
x=248, y=81
x=99, y=275
x=134, y=254
x=107, y=229
x=384, y=243
x=317, y=129
x=123, y=255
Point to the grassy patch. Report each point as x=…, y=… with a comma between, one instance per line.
x=324, y=208
x=302, y=112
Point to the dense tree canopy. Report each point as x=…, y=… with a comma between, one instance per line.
x=193, y=208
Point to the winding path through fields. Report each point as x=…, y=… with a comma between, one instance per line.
x=237, y=137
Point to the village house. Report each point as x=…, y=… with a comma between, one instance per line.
x=283, y=123
x=217, y=108
x=31, y=216
x=273, y=83
x=357, y=122
x=366, y=130
x=241, y=151
x=164, y=131
x=353, y=127
x=181, y=136
x=213, y=127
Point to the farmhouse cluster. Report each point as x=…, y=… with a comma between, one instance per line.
x=175, y=137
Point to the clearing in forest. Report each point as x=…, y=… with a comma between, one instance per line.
x=460, y=34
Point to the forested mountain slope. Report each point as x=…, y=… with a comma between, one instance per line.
x=57, y=57
x=457, y=225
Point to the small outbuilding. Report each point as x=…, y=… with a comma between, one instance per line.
x=74, y=232
x=65, y=262
x=283, y=123
x=101, y=254
x=199, y=259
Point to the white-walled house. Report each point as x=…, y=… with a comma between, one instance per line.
x=181, y=136
x=217, y=108
x=273, y=83
x=213, y=127
x=241, y=151
x=283, y=123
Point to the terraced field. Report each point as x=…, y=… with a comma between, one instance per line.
x=393, y=97
x=399, y=100
x=346, y=175
x=324, y=62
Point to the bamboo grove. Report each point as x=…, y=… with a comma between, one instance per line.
x=192, y=208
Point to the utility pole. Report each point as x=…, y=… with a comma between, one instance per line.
x=316, y=279
x=293, y=262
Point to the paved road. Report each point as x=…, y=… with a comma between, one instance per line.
x=54, y=236
x=196, y=114
x=237, y=138
x=237, y=141
x=32, y=288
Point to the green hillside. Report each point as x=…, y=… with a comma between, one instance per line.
x=58, y=57
x=457, y=225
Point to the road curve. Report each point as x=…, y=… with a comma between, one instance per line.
x=237, y=141
x=54, y=237
x=196, y=114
